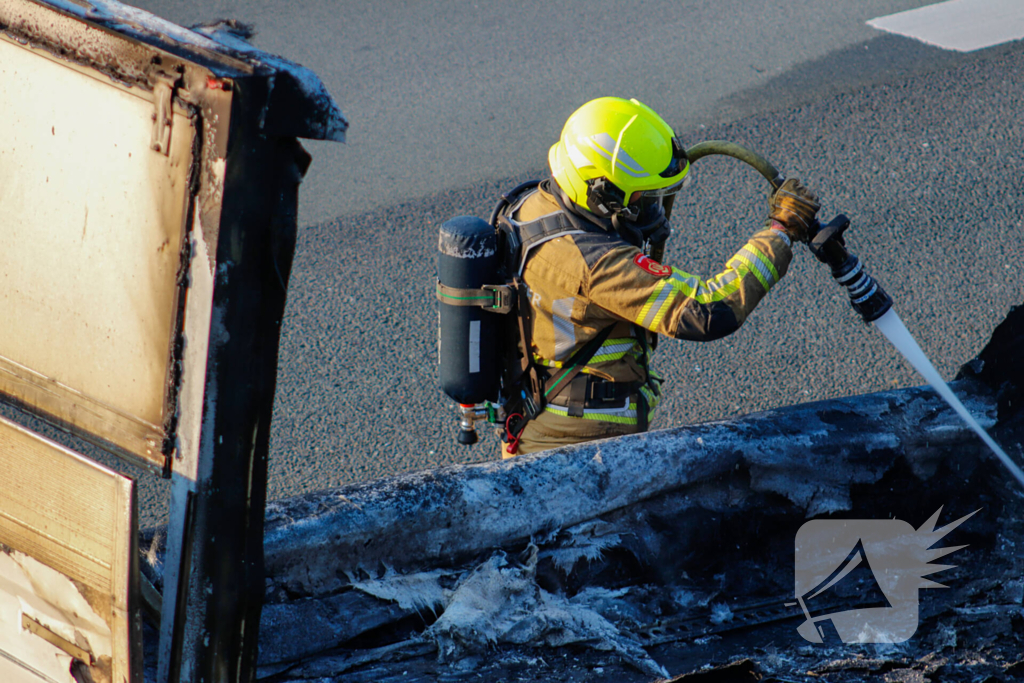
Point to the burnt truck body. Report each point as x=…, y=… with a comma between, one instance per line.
x=671, y=551
x=148, y=196
x=148, y=193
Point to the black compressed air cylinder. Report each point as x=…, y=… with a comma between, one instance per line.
x=467, y=343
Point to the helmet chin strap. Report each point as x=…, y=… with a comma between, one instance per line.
x=650, y=227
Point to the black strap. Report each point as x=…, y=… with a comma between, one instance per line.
x=597, y=391
x=575, y=364
x=642, y=405
x=577, y=396
x=642, y=408
x=528, y=368
x=536, y=232
x=510, y=198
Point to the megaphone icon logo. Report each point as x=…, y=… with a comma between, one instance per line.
x=857, y=580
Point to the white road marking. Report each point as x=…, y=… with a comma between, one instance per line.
x=962, y=25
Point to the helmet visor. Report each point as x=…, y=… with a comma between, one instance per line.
x=677, y=167
x=641, y=201
x=662, y=192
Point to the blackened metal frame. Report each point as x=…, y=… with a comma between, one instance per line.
x=247, y=109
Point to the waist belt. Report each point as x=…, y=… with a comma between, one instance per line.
x=587, y=391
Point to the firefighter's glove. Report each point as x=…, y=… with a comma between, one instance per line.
x=794, y=207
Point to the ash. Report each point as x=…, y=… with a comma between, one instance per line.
x=414, y=578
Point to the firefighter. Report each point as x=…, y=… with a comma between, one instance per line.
x=614, y=170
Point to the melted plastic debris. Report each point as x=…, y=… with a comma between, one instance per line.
x=586, y=541
x=720, y=614
x=500, y=603
x=418, y=591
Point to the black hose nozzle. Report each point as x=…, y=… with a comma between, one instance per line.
x=866, y=296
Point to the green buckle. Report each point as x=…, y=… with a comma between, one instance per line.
x=502, y=302
x=496, y=298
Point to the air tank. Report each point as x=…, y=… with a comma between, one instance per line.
x=468, y=351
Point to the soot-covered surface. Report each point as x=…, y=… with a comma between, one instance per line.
x=689, y=580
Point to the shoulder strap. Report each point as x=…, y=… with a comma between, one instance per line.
x=535, y=233
x=513, y=196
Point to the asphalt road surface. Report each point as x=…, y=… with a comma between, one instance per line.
x=451, y=102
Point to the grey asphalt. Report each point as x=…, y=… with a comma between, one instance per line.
x=452, y=102
x=447, y=93
x=927, y=167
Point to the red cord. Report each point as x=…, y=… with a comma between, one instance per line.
x=513, y=440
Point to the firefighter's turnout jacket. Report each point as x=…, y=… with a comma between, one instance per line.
x=579, y=284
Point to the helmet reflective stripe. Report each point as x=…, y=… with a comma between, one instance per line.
x=603, y=144
x=622, y=142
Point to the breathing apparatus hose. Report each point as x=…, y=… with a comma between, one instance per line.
x=866, y=296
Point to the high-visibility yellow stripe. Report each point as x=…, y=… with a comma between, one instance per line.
x=605, y=357
x=684, y=283
x=663, y=310
x=765, y=260
x=757, y=262
x=744, y=266
x=653, y=399
x=724, y=284
x=628, y=416
x=657, y=295
x=611, y=349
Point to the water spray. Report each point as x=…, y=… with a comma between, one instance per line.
x=866, y=296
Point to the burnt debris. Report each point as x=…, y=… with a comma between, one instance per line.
x=670, y=553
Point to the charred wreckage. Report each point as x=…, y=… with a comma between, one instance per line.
x=631, y=559
x=671, y=551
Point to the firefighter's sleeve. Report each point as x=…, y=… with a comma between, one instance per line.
x=668, y=301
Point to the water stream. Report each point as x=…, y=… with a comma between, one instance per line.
x=896, y=332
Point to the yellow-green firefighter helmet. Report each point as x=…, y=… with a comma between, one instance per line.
x=623, y=142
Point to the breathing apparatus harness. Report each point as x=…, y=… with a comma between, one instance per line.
x=520, y=387
x=530, y=386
